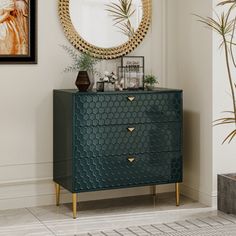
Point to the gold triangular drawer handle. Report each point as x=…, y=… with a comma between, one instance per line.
x=131, y=130
x=131, y=99
x=131, y=159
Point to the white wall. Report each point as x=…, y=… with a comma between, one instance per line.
x=189, y=57
x=26, y=111
x=195, y=64
x=224, y=156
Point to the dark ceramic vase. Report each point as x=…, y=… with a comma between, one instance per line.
x=82, y=81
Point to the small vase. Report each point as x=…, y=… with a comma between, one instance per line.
x=82, y=81
x=150, y=87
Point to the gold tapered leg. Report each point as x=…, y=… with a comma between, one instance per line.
x=154, y=190
x=74, y=201
x=177, y=193
x=58, y=188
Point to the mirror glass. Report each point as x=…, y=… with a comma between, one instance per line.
x=106, y=23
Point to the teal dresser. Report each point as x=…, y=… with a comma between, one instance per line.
x=116, y=140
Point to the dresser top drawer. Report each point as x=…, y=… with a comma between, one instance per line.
x=127, y=108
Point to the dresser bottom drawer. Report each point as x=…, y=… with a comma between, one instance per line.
x=99, y=173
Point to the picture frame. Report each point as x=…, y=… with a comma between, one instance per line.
x=121, y=75
x=134, y=67
x=20, y=45
x=134, y=80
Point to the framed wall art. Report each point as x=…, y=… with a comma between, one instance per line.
x=18, y=44
x=134, y=80
x=121, y=75
x=133, y=67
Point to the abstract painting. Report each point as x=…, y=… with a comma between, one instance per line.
x=18, y=31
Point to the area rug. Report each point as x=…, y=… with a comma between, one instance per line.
x=210, y=226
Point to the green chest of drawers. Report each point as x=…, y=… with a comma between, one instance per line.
x=117, y=140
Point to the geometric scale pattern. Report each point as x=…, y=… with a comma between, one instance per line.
x=118, y=139
x=95, y=173
x=115, y=109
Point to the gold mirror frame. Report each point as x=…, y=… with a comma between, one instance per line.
x=104, y=53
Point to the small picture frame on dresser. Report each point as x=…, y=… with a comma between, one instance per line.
x=134, y=80
x=133, y=67
x=121, y=76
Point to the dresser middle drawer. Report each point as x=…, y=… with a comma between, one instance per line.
x=127, y=139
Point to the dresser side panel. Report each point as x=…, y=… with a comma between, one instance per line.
x=182, y=132
x=62, y=138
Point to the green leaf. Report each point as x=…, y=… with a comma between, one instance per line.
x=81, y=61
x=223, y=2
x=230, y=137
x=224, y=25
x=121, y=14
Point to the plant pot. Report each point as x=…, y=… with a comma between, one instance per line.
x=150, y=87
x=82, y=81
x=227, y=193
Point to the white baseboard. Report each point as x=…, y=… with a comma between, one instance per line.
x=204, y=198
x=25, y=171
x=40, y=192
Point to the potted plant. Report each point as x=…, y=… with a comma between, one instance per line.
x=84, y=64
x=150, y=81
x=224, y=25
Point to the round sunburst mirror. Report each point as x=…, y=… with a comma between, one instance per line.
x=105, y=29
